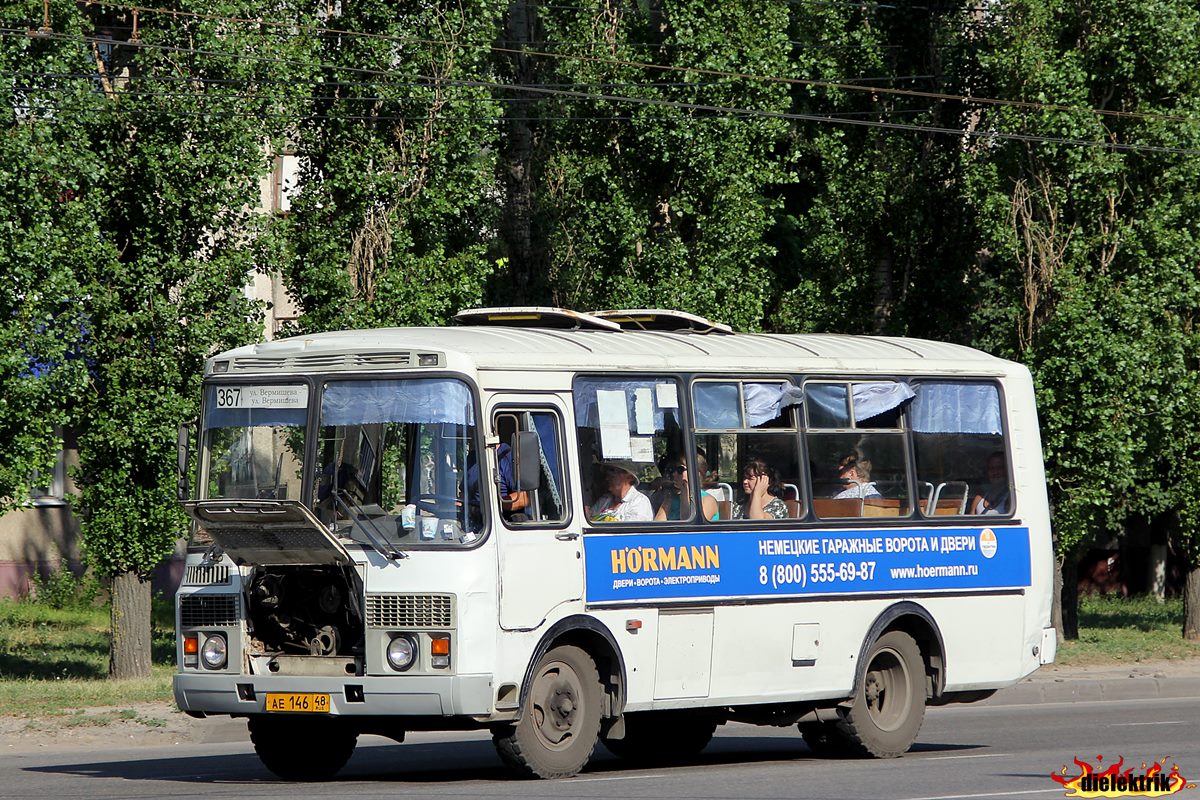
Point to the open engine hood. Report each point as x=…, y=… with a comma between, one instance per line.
x=267, y=532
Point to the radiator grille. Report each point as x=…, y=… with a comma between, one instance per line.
x=410, y=611
x=206, y=574
x=321, y=362
x=208, y=610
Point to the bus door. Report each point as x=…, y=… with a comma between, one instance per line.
x=539, y=544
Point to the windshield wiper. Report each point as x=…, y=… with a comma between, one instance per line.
x=375, y=538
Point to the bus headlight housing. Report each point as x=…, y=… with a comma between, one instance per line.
x=401, y=653
x=215, y=652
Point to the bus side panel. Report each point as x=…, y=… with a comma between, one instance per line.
x=983, y=636
x=1033, y=509
x=791, y=651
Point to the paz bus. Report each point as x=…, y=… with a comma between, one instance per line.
x=624, y=527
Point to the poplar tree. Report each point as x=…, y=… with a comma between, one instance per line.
x=394, y=131
x=1086, y=252
x=143, y=205
x=661, y=198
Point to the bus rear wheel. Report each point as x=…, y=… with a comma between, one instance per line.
x=302, y=749
x=888, y=707
x=662, y=737
x=560, y=721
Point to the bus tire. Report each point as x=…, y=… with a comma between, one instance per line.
x=302, y=749
x=888, y=706
x=560, y=721
x=662, y=737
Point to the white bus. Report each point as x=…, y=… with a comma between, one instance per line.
x=626, y=527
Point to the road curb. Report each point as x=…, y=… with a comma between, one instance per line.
x=1084, y=690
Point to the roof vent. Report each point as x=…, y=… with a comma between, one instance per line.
x=534, y=317
x=661, y=319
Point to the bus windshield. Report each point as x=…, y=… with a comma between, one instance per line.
x=254, y=441
x=393, y=458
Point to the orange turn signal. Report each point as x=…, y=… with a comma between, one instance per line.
x=439, y=647
x=191, y=645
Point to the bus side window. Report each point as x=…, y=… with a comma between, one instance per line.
x=630, y=444
x=856, y=447
x=547, y=504
x=746, y=433
x=959, y=445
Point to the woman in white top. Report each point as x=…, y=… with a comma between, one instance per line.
x=623, y=502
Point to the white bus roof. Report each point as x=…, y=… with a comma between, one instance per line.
x=501, y=347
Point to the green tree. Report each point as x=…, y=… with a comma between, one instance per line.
x=1072, y=252
x=393, y=214
x=649, y=201
x=147, y=219
x=871, y=228
x=40, y=211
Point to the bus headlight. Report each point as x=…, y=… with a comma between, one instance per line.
x=401, y=652
x=215, y=652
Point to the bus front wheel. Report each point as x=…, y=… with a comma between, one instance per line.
x=889, y=705
x=560, y=721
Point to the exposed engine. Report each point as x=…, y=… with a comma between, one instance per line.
x=306, y=610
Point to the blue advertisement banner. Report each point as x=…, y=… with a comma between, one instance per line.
x=663, y=566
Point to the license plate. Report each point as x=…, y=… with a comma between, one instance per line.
x=298, y=701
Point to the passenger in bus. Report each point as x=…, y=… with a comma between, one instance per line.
x=662, y=487
x=994, y=497
x=677, y=504
x=763, y=491
x=855, y=473
x=622, y=501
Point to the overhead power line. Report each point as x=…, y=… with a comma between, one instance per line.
x=812, y=83
x=710, y=109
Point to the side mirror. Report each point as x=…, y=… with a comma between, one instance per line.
x=527, y=461
x=181, y=450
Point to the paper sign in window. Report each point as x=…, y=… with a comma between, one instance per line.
x=614, y=423
x=668, y=397
x=643, y=411
x=641, y=448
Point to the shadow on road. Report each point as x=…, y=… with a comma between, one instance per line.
x=441, y=762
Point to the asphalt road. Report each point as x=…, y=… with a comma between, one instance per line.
x=993, y=751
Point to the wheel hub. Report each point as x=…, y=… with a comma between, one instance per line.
x=873, y=690
x=563, y=705
x=558, y=707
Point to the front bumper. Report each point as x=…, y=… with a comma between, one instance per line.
x=398, y=695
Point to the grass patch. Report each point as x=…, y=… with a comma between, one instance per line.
x=1120, y=630
x=54, y=661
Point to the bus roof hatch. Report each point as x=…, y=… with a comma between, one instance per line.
x=661, y=319
x=534, y=317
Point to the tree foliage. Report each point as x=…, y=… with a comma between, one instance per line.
x=143, y=212
x=779, y=166
x=393, y=215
